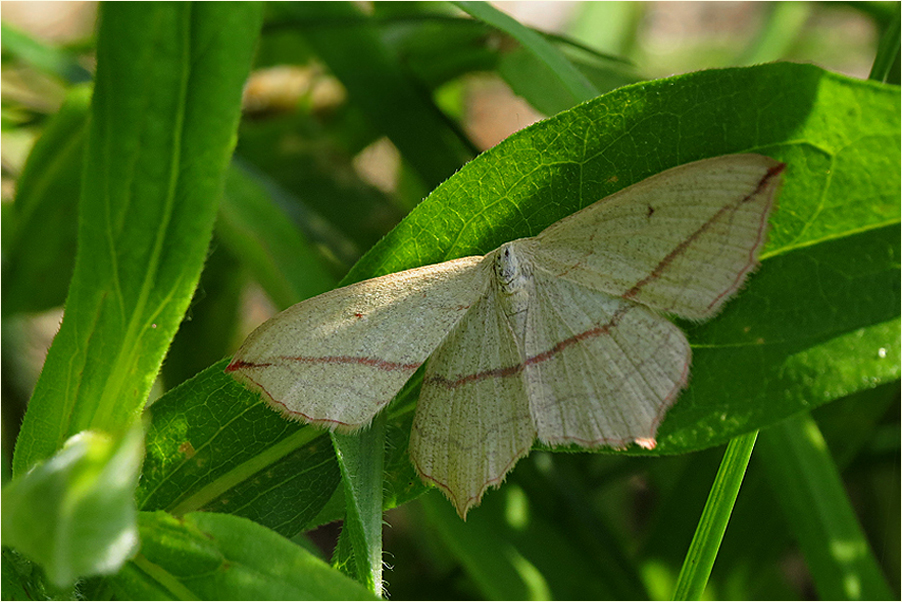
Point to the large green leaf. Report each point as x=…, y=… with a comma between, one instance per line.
x=211, y=443
x=164, y=112
x=817, y=322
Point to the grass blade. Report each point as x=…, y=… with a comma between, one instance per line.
x=703, y=549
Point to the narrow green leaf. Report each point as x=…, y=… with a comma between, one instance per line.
x=164, y=113
x=886, y=64
x=713, y=523
x=360, y=457
x=37, y=265
x=519, y=66
x=682, y=485
x=43, y=57
x=784, y=21
x=559, y=69
x=819, y=513
x=209, y=556
x=75, y=513
x=258, y=231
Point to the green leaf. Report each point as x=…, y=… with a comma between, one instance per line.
x=713, y=522
x=208, y=556
x=38, y=263
x=164, y=113
x=75, y=513
x=682, y=484
x=360, y=457
x=810, y=491
x=886, y=63
x=258, y=231
x=215, y=447
x=557, y=68
x=43, y=57
x=519, y=67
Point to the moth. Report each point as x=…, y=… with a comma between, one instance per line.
x=561, y=336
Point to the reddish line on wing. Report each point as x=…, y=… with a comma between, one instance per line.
x=281, y=406
x=762, y=230
x=239, y=364
x=372, y=362
x=659, y=269
x=452, y=383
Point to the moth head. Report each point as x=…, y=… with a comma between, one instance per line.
x=511, y=267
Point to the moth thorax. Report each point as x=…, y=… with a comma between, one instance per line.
x=511, y=268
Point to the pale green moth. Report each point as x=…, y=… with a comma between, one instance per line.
x=559, y=336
